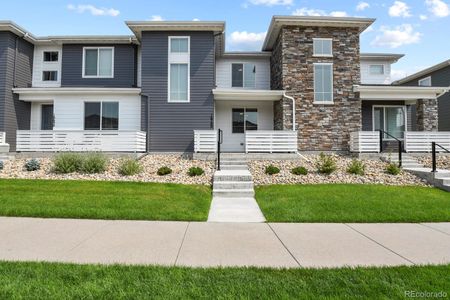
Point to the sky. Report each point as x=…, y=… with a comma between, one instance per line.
x=416, y=28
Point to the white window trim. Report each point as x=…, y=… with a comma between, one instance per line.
x=51, y=62
x=101, y=114
x=179, y=58
x=377, y=74
x=243, y=63
x=423, y=79
x=405, y=113
x=98, y=63
x=332, y=84
x=322, y=55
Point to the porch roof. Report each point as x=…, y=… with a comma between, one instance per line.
x=393, y=92
x=240, y=94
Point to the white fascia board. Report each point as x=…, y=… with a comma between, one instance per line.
x=38, y=94
x=238, y=94
x=398, y=92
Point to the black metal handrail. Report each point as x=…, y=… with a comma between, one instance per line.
x=433, y=155
x=400, y=145
x=219, y=142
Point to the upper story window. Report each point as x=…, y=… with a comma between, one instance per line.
x=51, y=56
x=98, y=62
x=376, y=69
x=323, y=83
x=101, y=115
x=323, y=47
x=49, y=76
x=179, y=69
x=243, y=75
x=425, y=81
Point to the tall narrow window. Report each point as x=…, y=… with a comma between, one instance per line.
x=243, y=75
x=323, y=83
x=101, y=115
x=98, y=62
x=179, y=60
x=92, y=115
x=323, y=47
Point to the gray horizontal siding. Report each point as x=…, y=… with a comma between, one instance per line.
x=125, y=67
x=439, y=78
x=172, y=124
x=14, y=114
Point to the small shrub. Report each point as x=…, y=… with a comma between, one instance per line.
x=356, y=167
x=32, y=165
x=165, y=171
x=129, y=167
x=299, y=171
x=195, y=171
x=2, y=165
x=393, y=169
x=94, y=163
x=65, y=163
x=272, y=170
x=326, y=164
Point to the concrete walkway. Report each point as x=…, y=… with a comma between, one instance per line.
x=223, y=244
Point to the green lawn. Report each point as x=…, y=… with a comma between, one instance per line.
x=104, y=200
x=63, y=281
x=353, y=203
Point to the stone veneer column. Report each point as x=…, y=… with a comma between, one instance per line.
x=427, y=115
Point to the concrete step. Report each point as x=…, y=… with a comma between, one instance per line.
x=232, y=158
x=233, y=185
x=233, y=193
x=442, y=175
x=235, y=210
x=233, y=175
x=232, y=162
x=233, y=167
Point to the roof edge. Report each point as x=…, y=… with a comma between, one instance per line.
x=423, y=72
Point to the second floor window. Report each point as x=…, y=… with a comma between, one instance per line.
x=179, y=68
x=425, y=81
x=50, y=76
x=376, y=69
x=98, y=62
x=323, y=83
x=50, y=56
x=323, y=47
x=243, y=75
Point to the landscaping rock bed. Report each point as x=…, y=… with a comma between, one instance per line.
x=150, y=163
x=375, y=173
x=443, y=161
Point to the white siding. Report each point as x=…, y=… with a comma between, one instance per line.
x=223, y=71
x=39, y=66
x=36, y=113
x=367, y=78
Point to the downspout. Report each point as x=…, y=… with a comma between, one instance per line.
x=293, y=109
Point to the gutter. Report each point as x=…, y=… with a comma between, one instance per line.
x=293, y=110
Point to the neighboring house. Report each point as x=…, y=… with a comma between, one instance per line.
x=170, y=86
x=437, y=75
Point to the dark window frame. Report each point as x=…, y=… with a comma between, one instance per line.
x=50, y=78
x=240, y=129
x=48, y=56
x=100, y=118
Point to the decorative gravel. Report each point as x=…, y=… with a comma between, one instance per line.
x=375, y=173
x=443, y=161
x=150, y=163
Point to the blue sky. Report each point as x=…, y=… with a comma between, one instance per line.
x=416, y=28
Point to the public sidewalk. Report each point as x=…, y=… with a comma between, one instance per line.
x=223, y=244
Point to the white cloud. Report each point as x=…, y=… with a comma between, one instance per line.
x=93, y=10
x=438, y=8
x=398, y=74
x=196, y=20
x=304, y=11
x=362, y=6
x=272, y=2
x=423, y=17
x=157, y=18
x=396, y=37
x=243, y=40
x=400, y=9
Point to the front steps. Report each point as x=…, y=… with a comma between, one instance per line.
x=408, y=161
x=233, y=193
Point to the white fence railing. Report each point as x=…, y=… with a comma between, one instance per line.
x=365, y=141
x=81, y=140
x=420, y=141
x=205, y=141
x=271, y=141
x=2, y=138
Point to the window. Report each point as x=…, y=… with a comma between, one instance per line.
x=323, y=83
x=391, y=119
x=243, y=75
x=376, y=69
x=425, y=81
x=101, y=116
x=50, y=76
x=323, y=47
x=51, y=56
x=244, y=119
x=179, y=77
x=98, y=62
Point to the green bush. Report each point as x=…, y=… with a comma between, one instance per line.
x=356, y=167
x=272, y=170
x=94, y=163
x=393, y=169
x=326, y=164
x=195, y=171
x=165, y=171
x=299, y=171
x=67, y=163
x=32, y=165
x=129, y=167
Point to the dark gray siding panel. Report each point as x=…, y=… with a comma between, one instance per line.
x=172, y=124
x=366, y=108
x=124, y=67
x=16, y=70
x=439, y=78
